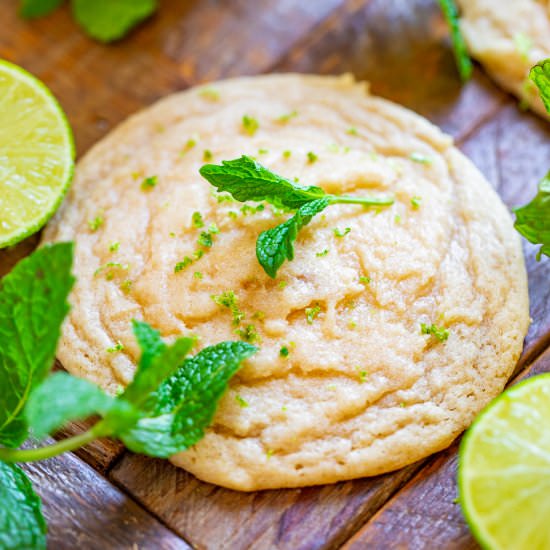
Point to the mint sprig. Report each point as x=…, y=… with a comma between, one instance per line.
x=104, y=20
x=460, y=50
x=533, y=219
x=164, y=410
x=247, y=180
x=184, y=405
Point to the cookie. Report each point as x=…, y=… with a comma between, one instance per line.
x=508, y=38
x=379, y=343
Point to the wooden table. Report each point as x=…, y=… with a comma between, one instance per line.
x=105, y=497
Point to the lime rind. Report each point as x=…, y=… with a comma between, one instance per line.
x=40, y=90
x=474, y=521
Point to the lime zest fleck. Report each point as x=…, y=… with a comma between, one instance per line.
x=441, y=333
x=229, y=300
x=420, y=158
x=149, y=183
x=96, y=223
x=248, y=334
x=210, y=93
x=311, y=157
x=241, y=401
x=197, y=220
x=250, y=125
x=283, y=119
x=311, y=313
x=338, y=233
x=118, y=347
x=415, y=202
x=180, y=266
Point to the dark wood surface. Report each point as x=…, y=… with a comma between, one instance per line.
x=108, y=498
x=84, y=511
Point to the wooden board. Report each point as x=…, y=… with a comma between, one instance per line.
x=85, y=511
x=425, y=514
x=402, y=47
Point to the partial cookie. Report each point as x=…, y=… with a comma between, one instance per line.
x=508, y=38
x=362, y=390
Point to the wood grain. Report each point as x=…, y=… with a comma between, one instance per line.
x=513, y=151
x=186, y=42
x=100, y=454
x=402, y=48
x=424, y=513
x=215, y=518
x=85, y=511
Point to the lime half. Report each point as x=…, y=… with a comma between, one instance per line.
x=36, y=154
x=504, y=469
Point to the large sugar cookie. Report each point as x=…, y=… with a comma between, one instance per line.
x=362, y=390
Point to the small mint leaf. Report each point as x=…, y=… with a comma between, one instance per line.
x=21, y=522
x=533, y=219
x=184, y=404
x=247, y=180
x=33, y=304
x=29, y=9
x=109, y=20
x=540, y=75
x=61, y=398
x=276, y=245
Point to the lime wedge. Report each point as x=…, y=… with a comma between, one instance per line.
x=36, y=154
x=504, y=469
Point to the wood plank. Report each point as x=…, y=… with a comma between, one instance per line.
x=402, y=49
x=186, y=42
x=101, y=454
x=214, y=518
x=424, y=513
x=513, y=151
x=85, y=511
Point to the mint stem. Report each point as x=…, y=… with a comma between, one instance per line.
x=64, y=446
x=366, y=201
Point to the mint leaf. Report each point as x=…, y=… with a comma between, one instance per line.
x=184, y=405
x=533, y=219
x=61, y=398
x=540, y=75
x=247, y=180
x=157, y=364
x=108, y=20
x=33, y=304
x=276, y=245
x=149, y=341
x=22, y=525
x=37, y=8
x=463, y=61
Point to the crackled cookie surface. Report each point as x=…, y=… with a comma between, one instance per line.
x=508, y=38
x=361, y=390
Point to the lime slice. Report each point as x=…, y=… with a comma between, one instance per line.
x=504, y=469
x=36, y=154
